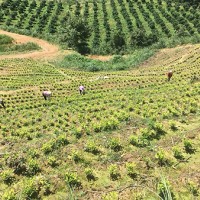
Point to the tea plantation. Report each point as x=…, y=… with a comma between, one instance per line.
x=132, y=135
x=106, y=26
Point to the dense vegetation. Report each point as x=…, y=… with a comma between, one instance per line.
x=118, y=62
x=114, y=26
x=133, y=135
x=7, y=46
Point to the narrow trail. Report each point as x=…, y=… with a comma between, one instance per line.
x=48, y=51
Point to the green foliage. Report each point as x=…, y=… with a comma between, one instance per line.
x=115, y=145
x=111, y=196
x=52, y=161
x=18, y=163
x=114, y=172
x=9, y=195
x=76, y=34
x=193, y=188
x=92, y=147
x=164, y=158
x=5, y=40
x=72, y=180
x=90, y=174
x=189, y=147
x=7, y=176
x=77, y=157
x=131, y=170
x=7, y=46
x=34, y=188
x=87, y=26
x=173, y=126
x=77, y=61
x=178, y=154
x=32, y=167
x=164, y=190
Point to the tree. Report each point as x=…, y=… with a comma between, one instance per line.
x=118, y=42
x=75, y=34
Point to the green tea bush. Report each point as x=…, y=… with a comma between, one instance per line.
x=72, y=180
x=114, y=172
x=18, y=163
x=7, y=176
x=90, y=174
x=131, y=170
x=52, y=161
x=189, y=147
x=178, y=154
x=91, y=147
x=9, y=195
x=193, y=188
x=77, y=157
x=164, y=158
x=115, y=145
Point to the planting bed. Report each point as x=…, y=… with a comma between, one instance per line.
x=133, y=135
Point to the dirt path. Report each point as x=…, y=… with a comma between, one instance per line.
x=48, y=50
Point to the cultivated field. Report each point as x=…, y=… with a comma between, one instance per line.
x=115, y=25
x=133, y=135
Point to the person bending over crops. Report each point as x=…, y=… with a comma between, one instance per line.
x=82, y=89
x=169, y=75
x=2, y=103
x=46, y=94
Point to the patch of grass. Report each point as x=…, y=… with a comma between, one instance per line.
x=118, y=62
x=12, y=48
x=4, y=40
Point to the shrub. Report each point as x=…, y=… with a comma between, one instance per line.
x=164, y=158
x=52, y=161
x=34, y=188
x=193, y=188
x=173, y=126
x=18, y=163
x=114, y=172
x=32, y=167
x=7, y=176
x=189, y=148
x=131, y=170
x=77, y=157
x=90, y=174
x=134, y=140
x=92, y=148
x=178, y=154
x=9, y=195
x=72, y=180
x=115, y=145
x=49, y=146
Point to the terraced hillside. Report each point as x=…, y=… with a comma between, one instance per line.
x=115, y=25
x=133, y=135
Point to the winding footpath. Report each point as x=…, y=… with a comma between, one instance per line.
x=48, y=51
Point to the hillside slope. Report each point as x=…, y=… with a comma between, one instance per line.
x=115, y=25
x=48, y=50
x=129, y=135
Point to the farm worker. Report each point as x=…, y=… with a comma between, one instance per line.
x=2, y=103
x=82, y=89
x=46, y=94
x=169, y=75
